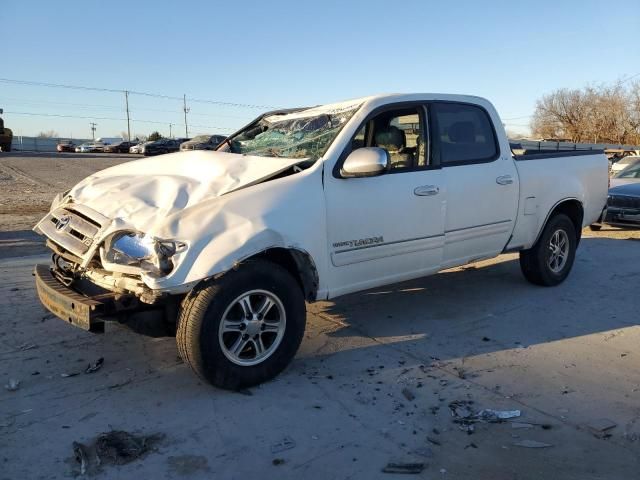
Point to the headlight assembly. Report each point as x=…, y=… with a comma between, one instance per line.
x=135, y=253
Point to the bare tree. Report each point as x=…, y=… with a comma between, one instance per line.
x=48, y=134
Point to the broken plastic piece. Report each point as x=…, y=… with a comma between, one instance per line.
x=532, y=444
x=287, y=443
x=95, y=367
x=411, y=468
x=12, y=385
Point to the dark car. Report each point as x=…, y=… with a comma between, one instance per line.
x=203, y=142
x=120, y=147
x=164, y=145
x=623, y=206
x=66, y=146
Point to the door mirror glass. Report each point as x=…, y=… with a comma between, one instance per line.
x=365, y=162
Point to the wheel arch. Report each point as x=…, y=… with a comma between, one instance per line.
x=572, y=208
x=298, y=263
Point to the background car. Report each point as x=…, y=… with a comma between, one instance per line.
x=631, y=174
x=164, y=145
x=623, y=205
x=202, y=142
x=624, y=162
x=120, y=147
x=65, y=146
x=90, y=147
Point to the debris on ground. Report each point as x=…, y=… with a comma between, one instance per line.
x=67, y=375
x=12, y=385
x=532, y=444
x=408, y=394
x=277, y=461
x=466, y=416
x=116, y=447
x=410, y=468
x=27, y=346
x=600, y=427
x=433, y=441
x=287, y=443
x=91, y=368
x=518, y=425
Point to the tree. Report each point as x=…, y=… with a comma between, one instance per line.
x=48, y=134
x=601, y=114
x=154, y=136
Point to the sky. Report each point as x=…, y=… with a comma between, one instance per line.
x=295, y=53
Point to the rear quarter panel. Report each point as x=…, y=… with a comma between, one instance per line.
x=545, y=183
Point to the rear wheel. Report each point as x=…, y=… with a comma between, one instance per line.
x=549, y=261
x=243, y=328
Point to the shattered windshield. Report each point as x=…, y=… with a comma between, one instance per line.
x=302, y=134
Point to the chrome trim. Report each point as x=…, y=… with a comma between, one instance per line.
x=478, y=226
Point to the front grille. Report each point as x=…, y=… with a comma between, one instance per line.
x=72, y=228
x=624, y=201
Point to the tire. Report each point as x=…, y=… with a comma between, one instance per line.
x=203, y=312
x=538, y=264
x=595, y=228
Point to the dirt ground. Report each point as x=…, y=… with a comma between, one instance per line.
x=372, y=383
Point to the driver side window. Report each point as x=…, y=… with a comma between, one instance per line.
x=400, y=133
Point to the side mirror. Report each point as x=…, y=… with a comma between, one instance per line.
x=365, y=162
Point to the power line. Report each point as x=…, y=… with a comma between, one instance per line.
x=108, y=118
x=131, y=92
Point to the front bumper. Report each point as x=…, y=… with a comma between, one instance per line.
x=65, y=303
x=623, y=217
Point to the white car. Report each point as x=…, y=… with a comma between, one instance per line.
x=90, y=147
x=308, y=204
x=624, y=162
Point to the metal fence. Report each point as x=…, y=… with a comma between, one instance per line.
x=40, y=144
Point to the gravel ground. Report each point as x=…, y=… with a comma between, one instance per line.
x=372, y=383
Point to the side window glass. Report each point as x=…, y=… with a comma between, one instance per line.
x=399, y=132
x=463, y=133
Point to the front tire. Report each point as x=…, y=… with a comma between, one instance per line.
x=549, y=261
x=243, y=328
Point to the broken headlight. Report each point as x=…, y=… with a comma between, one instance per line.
x=134, y=252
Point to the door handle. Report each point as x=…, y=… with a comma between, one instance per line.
x=426, y=190
x=504, y=180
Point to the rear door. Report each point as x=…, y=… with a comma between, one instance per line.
x=482, y=182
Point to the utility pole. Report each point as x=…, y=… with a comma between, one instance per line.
x=185, y=109
x=126, y=100
x=170, y=125
x=93, y=130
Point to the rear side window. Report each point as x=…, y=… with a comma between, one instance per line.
x=462, y=134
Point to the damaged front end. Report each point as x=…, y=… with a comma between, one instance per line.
x=90, y=280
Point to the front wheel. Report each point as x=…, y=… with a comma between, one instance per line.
x=243, y=328
x=549, y=261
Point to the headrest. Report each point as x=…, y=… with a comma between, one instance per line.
x=392, y=139
x=463, y=132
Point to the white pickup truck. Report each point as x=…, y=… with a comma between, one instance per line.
x=308, y=204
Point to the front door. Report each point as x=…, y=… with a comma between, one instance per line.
x=390, y=227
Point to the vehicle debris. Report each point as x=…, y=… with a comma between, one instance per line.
x=116, y=447
x=408, y=394
x=91, y=368
x=12, y=385
x=532, y=444
x=518, y=425
x=409, y=468
x=600, y=427
x=465, y=416
x=27, y=346
x=287, y=443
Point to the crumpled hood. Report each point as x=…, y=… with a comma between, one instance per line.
x=142, y=191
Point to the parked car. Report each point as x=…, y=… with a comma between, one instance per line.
x=164, y=145
x=220, y=241
x=631, y=174
x=137, y=148
x=202, y=142
x=120, y=147
x=624, y=162
x=90, y=147
x=66, y=146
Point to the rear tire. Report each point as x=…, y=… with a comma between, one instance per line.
x=216, y=317
x=549, y=261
